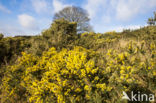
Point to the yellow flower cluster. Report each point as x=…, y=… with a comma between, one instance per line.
x=79, y=75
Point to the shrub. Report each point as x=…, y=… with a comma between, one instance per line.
x=81, y=75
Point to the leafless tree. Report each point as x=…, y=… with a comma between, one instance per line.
x=75, y=14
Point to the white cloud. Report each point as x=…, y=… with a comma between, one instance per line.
x=117, y=28
x=105, y=14
x=121, y=28
x=9, y=30
x=106, y=19
x=4, y=9
x=127, y=9
x=122, y=10
x=58, y=5
x=39, y=5
x=27, y=22
x=92, y=6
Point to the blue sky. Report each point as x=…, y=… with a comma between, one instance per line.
x=30, y=17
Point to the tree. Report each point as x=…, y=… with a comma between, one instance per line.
x=155, y=16
x=75, y=14
x=151, y=21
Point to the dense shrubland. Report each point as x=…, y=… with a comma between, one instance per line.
x=60, y=66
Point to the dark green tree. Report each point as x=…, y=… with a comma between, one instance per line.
x=75, y=14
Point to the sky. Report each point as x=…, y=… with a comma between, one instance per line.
x=31, y=17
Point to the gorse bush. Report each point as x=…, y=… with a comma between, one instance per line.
x=96, y=41
x=11, y=47
x=61, y=33
x=54, y=73
x=81, y=75
x=61, y=66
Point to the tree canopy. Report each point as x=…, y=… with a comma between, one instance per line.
x=75, y=14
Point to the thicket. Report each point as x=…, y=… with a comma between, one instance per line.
x=60, y=66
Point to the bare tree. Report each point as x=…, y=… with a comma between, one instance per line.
x=75, y=14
